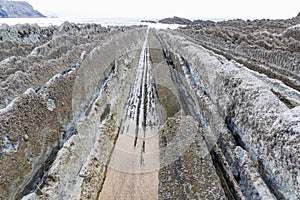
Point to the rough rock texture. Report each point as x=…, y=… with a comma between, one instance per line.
x=95, y=137
x=187, y=171
x=271, y=47
x=268, y=170
x=33, y=122
x=18, y=9
x=209, y=111
x=47, y=52
x=249, y=107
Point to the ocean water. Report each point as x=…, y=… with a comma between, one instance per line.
x=103, y=21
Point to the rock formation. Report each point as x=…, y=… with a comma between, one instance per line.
x=175, y=20
x=207, y=111
x=18, y=9
x=149, y=21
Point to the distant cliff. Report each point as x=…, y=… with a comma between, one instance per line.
x=18, y=9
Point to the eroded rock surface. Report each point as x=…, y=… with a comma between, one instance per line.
x=209, y=111
x=271, y=47
x=41, y=117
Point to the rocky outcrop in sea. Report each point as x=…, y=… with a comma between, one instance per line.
x=207, y=111
x=175, y=20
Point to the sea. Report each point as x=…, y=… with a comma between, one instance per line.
x=103, y=21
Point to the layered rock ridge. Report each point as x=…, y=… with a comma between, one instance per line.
x=252, y=119
x=37, y=114
x=139, y=113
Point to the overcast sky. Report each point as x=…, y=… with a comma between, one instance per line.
x=155, y=9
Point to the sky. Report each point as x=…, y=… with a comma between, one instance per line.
x=157, y=9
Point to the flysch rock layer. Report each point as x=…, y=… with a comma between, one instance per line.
x=109, y=152
x=137, y=113
x=89, y=151
x=187, y=171
x=37, y=122
x=251, y=111
x=271, y=47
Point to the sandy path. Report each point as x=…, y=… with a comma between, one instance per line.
x=133, y=169
x=127, y=177
x=122, y=185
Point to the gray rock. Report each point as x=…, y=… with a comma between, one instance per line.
x=51, y=104
x=221, y=127
x=9, y=146
x=175, y=20
x=250, y=108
